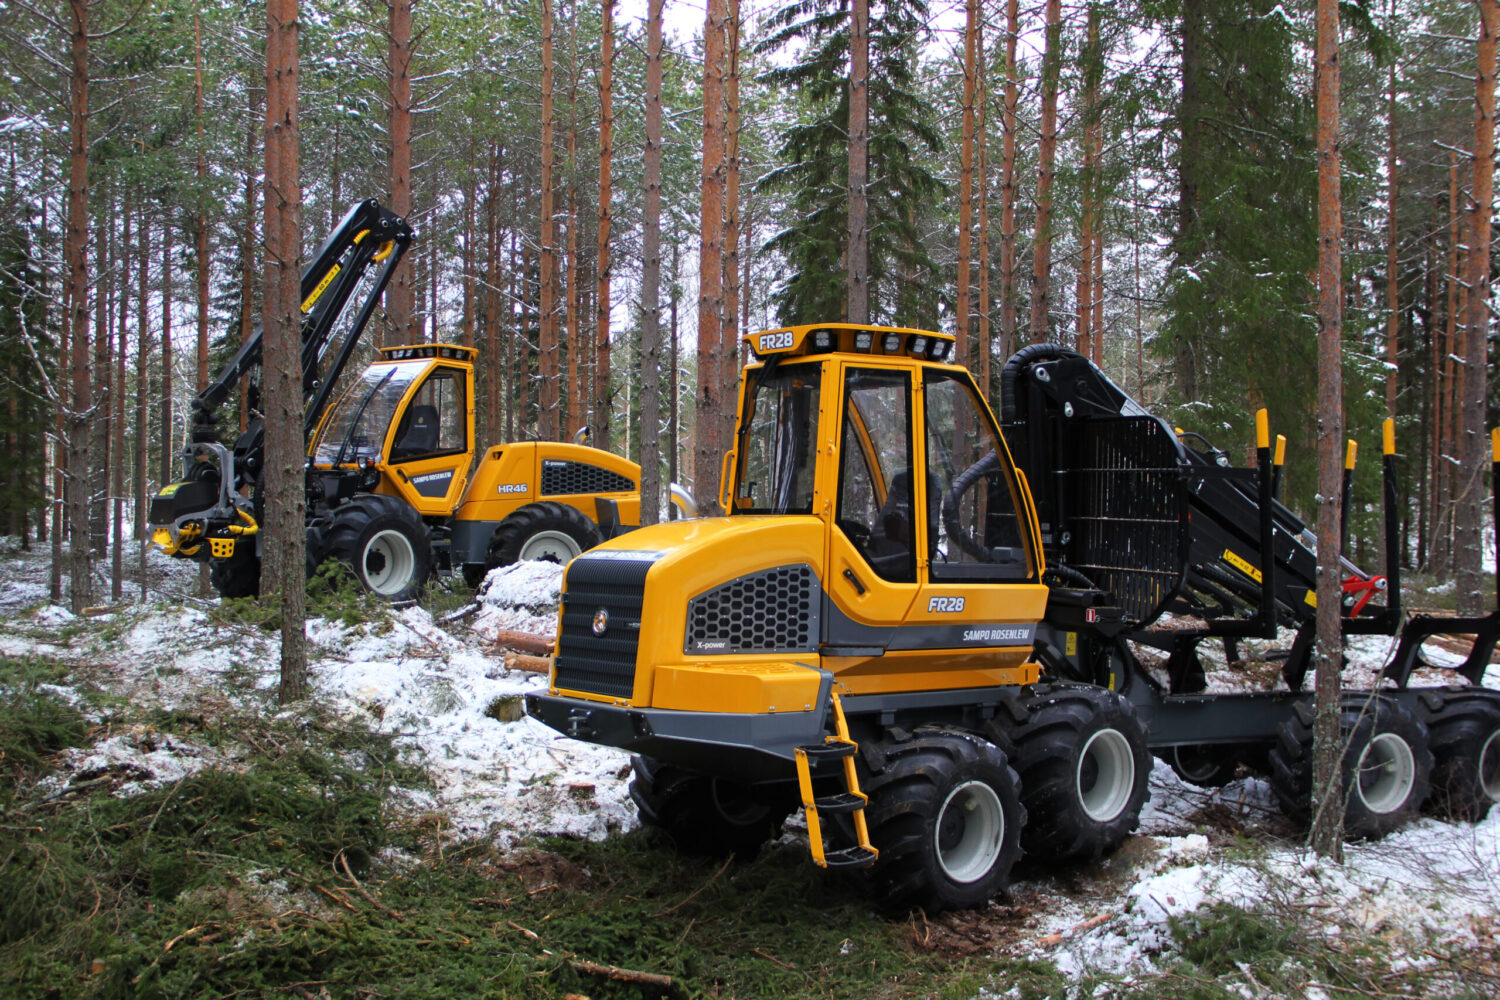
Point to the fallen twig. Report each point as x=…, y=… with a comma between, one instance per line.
x=690, y=896
x=1052, y=940
x=621, y=975
x=344, y=861
x=775, y=961
x=533, y=935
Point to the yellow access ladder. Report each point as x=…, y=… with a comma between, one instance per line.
x=851, y=801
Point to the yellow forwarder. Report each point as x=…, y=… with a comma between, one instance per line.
x=927, y=643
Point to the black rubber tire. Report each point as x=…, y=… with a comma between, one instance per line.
x=536, y=525
x=239, y=575
x=706, y=816
x=917, y=820
x=474, y=574
x=1384, y=784
x=385, y=543
x=1081, y=754
x=1464, y=734
x=1204, y=764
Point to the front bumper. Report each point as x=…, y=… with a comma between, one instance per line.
x=747, y=747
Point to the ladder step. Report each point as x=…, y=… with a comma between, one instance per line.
x=840, y=803
x=850, y=857
x=819, y=752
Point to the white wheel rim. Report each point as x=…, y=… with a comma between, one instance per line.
x=1386, y=774
x=969, y=831
x=1106, y=775
x=553, y=546
x=1489, y=767
x=389, y=562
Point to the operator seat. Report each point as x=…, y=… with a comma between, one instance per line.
x=419, y=432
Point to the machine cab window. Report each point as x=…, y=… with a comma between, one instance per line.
x=354, y=430
x=875, y=499
x=973, y=529
x=434, y=422
x=778, y=446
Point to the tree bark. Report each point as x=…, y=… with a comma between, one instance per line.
x=1392, y=304
x=651, y=274
x=984, y=337
x=1008, y=311
x=75, y=255
x=549, y=422
x=1041, y=254
x=168, y=422
x=401, y=293
x=1326, y=836
x=283, y=572
x=963, y=308
x=711, y=428
x=603, y=395
x=859, y=174
x=1468, y=512
x=728, y=326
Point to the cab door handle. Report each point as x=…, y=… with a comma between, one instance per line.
x=858, y=585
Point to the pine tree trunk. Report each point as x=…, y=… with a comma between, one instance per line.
x=1041, y=254
x=603, y=394
x=470, y=259
x=254, y=124
x=963, y=311
x=142, y=368
x=984, y=336
x=167, y=444
x=859, y=151
x=1008, y=310
x=1469, y=501
x=75, y=257
x=728, y=338
x=1392, y=305
x=549, y=420
x=101, y=372
x=117, y=421
x=1443, y=515
x=401, y=294
x=711, y=430
x=1190, y=124
x=651, y=274
x=284, y=572
x=1328, y=799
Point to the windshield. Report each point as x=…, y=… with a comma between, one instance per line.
x=778, y=442
x=363, y=413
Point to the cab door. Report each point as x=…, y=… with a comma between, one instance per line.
x=980, y=593
x=428, y=450
x=873, y=541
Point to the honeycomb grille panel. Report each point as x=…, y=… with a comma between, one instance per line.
x=773, y=611
x=561, y=478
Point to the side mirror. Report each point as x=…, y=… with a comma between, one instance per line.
x=726, y=485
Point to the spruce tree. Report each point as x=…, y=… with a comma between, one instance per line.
x=814, y=177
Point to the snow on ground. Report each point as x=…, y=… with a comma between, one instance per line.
x=443, y=688
x=403, y=674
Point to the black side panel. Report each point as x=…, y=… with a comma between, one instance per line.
x=601, y=624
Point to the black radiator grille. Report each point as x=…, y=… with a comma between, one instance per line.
x=773, y=611
x=560, y=478
x=1125, y=506
x=601, y=624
